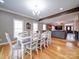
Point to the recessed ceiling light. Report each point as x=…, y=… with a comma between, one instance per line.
x=1, y=1
x=61, y=8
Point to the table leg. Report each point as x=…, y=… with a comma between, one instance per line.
x=22, y=48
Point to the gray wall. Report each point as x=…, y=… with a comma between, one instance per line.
x=6, y=23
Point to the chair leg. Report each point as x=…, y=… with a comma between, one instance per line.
x=44, y=46
x=41, y=47
x=50, y=42
x=47, y=43
x=11, y=53
x=18, y=54
x=30, y=54
x=22, y=51
x=37, y=50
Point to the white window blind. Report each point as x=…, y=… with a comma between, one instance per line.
x=18, y=27
x=35, y=27
x=44, y=26
x=53, y=28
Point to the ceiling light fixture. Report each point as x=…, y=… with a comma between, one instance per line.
x=36, y=11
x=61, y=8
x=36, y=6
x=1, y=1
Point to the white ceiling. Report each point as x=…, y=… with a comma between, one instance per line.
x=51, y=6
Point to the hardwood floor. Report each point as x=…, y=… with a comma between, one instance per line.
x=57, y=50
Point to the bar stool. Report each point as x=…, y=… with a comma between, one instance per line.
x=70, y=38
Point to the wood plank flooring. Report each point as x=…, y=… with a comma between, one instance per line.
x=57, y=50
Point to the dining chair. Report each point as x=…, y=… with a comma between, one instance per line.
x=29, y=42
x=32, y=45
x=46, y=38
x=43, y=40
x=36, y=37
x=13, y=48
x=49, y=37
x=70, y=38
x=23, y=39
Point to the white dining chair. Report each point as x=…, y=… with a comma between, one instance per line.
x=32, y=45
x=28, y=43
x=70, y=38
x=48, y=40
x=13, y=48
x=36, y=37
x=23, y=39
x=49, y=37
x=43, y=40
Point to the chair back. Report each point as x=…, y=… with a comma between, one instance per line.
x=35, y=36
x=49, y=37
x=70, y=37
x=49, y=34
x=8, y=38
x=25, y=33
x=33, y=40
x=43, y=37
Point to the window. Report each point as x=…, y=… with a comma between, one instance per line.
x=44, y=26
x=35, y=27
x=18, y=27
x=53, y=28
x=69, y=26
